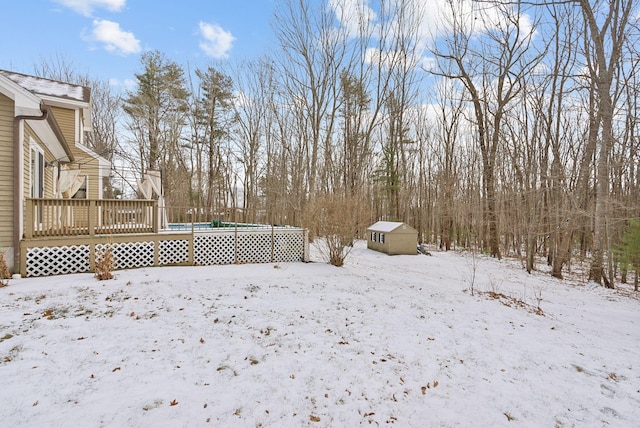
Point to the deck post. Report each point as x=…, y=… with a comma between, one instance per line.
x=156, y=216
x=28, y=222
x=92, y=216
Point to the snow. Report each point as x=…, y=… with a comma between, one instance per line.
x=42, y=86
x=397, y=341
x=385, y=226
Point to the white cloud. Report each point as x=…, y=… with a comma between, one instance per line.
x=216, y=41
x=127, y=84
x=353, y=15
x=474, y=19
x=114, y=38
x=86, y=7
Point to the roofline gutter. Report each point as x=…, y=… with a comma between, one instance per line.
x=18, y=171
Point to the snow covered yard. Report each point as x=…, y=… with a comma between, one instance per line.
x=396, y=341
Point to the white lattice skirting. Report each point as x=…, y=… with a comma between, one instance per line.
x=249, y=246
x=57, y=260
x=209, y=248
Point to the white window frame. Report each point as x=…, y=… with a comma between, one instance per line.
x=36, y=177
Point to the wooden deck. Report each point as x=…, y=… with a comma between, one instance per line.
x=89, y=217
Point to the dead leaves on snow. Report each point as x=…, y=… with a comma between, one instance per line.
x=512, y=302
x=392, y=419
x=424, y=388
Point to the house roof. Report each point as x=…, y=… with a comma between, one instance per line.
x=41, y=86
x=385, y=226
x=26, y=102
x=30, y=107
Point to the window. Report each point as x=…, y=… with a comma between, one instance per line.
x=37, y=171
x=36, y=175
x=82, y=192
x=382, y=238
x=373, y=237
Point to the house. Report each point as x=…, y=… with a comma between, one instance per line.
x=43, y=126
x=54, y=219
x=392, y=238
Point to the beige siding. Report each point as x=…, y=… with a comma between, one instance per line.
x=48, y=157
x=403, y=240
x=66, y=118
x=91, y=169
x=88, y=165
x=29, y=135
x=376, y=245
x=6, y=171
x=403, y=243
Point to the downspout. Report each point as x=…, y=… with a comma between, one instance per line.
x=17, y=182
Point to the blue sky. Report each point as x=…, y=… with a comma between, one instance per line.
x=105, y=38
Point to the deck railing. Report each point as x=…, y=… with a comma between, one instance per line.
x=89, y=217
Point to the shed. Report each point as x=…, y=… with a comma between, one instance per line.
x=392, y=237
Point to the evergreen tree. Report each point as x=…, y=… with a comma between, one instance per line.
x=214, y=106
x=156, y=109
x=629, y=249
x=156, y=113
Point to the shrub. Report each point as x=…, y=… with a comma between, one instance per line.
x=4, y=271
x=104, y=265
x=335, y=219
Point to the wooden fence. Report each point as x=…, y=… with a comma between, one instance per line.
x=89, y=217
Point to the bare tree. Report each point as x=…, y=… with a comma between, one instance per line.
x=606, y=26
x=310, y=61
x=255, y=84
x=492, y=73
x=106, y=108
x=450, y=110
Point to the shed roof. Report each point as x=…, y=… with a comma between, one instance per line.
x=385, y=226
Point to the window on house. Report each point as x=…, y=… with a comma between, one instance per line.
x=37, y=171
x=36, y=176
x=382, y=238
x=373, y=237
x=82, y=191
